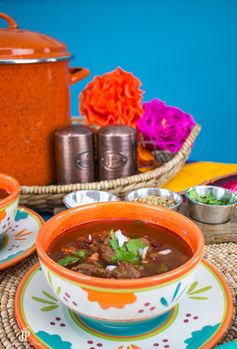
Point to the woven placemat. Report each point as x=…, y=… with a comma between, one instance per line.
x=222, y=256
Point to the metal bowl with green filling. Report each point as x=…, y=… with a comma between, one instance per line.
x=210, y=204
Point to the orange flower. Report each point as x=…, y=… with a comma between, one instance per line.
x=144, y=155
x=108, y=300
x=113, y=98
x=145, y=159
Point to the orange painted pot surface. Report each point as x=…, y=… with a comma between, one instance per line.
x=164, y=217
x=35, y=100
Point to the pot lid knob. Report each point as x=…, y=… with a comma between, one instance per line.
x=12, y=23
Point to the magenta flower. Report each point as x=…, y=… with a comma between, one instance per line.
x=168, y=126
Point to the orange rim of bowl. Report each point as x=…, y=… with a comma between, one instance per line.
x=27, y=252
x=120, y=283
x=209, y=345
x=11, y=185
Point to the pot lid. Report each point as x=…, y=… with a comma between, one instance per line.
x=22, y=46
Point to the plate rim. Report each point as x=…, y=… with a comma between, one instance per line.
x=207, y=345
x=30, y=250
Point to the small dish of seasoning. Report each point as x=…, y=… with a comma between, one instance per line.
x=211, y=204
x=156, y=196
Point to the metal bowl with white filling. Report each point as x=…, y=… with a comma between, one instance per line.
x=85, y=197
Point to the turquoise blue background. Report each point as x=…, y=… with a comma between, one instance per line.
x=183, y=51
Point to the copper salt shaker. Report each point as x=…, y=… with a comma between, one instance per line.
x=117, y=151
x=75, y=153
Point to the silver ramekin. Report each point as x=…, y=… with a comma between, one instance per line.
x=212, y=214
x=85, y=197
x=132, y=195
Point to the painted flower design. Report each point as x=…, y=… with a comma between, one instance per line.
x=49, y=301
x=199, y=337
x=21, y=215
x=3, y=214
x=108, y=300
x=168, y=126
x=21, y=235
x=178, y=293
x=54, y=340
x=197, y=293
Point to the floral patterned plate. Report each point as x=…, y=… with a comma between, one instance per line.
x=19, y=241
x=199, y=320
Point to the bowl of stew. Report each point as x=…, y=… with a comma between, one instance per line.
x=119, y=262
x=9, y=196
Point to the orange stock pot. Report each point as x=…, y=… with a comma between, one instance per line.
x=35, y=80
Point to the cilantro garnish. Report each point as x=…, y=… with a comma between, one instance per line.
x=80, y=253
x=129, y=252
x=208, y=199
x=73, y=258
x=113, y=241
x=134, y=245
x=68, y=260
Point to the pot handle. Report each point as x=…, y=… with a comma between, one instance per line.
x=77, y=74
x=10, y=20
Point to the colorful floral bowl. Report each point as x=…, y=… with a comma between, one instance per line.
x=8, y=206
x=119, y=301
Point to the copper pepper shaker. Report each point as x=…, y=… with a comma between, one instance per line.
x=75, y=154
x=117, y=151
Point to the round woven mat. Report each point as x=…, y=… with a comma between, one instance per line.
x=222, y=256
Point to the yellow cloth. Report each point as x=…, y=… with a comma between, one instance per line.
x=197, y=172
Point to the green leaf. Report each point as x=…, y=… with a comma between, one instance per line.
x=208, y=199
x=112, y=235
x=193, y=195
x=201, y=290
x=193, y=286
x=199, y=298
x=80, y=253
x=58, y=291
x=49, y=296
x=68, y=260
x=129, y=252
x=113, y=241
x=125, y=256
x=50, y=279
x=134, y=245
x=51, y=307
x=113, y=245
x=42, y=300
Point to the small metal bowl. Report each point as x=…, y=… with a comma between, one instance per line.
x=212, y=214
x=132, y=195
x=85, y=197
